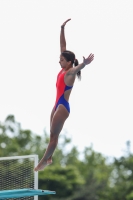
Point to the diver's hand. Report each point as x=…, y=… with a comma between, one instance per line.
x=63, y=25
x=89, y=59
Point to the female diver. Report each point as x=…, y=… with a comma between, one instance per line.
x=64, y=85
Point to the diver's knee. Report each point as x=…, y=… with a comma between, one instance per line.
x=53, y=136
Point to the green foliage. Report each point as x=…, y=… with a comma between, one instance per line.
x=16, y=141
x=129, y=196
x=122, y=178
x=95, y=173
x=92, y=178
x=63, y=180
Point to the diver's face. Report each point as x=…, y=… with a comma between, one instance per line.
x=63, y=62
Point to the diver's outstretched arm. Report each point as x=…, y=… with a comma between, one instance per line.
x=62, y=37
x=86, y=61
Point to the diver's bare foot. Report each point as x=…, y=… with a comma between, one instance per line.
x=42, y=164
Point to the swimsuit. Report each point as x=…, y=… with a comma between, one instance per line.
x=61, y=88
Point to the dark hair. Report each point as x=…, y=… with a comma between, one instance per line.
x=70, y=56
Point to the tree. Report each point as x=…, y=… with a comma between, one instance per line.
x=92, y=177
x=63, y=180
x=16, y=141
x=123, y=186
x=96, y=173
x=122, y=176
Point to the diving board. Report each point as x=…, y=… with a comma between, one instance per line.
x=17, y=193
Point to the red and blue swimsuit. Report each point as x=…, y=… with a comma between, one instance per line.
x=61, y=88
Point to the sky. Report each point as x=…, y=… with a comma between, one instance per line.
x=102, y=102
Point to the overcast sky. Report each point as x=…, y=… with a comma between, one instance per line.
x=102, y=103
